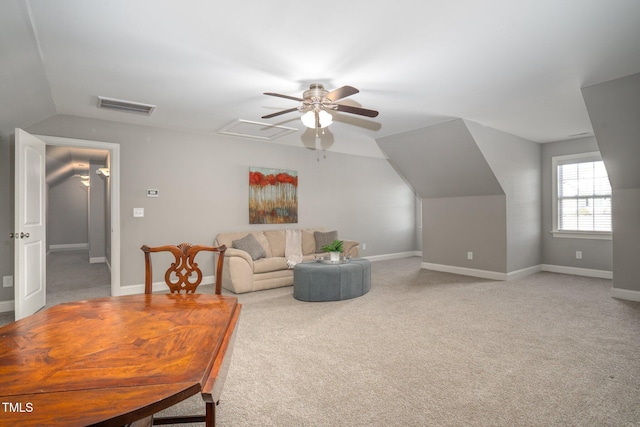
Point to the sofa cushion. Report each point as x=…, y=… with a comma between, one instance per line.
x=277, y=240
x=266, y=265
x=324, y=238
x=308, y=241
x=250, y=245
x=262, y=239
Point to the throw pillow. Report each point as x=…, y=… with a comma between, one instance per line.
x=324, y=238
x=250, y=245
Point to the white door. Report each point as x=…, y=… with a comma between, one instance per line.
x=29, y=231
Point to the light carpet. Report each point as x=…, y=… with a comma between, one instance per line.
x=425, y=348
x=70, y=277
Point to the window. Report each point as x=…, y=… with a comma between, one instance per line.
x=582, y=197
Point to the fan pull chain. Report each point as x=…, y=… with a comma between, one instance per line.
x=318, y=136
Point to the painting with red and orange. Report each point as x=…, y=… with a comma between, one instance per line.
x=273, y=196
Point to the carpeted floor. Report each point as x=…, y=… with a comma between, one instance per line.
x=425, y=348
x=70, y=277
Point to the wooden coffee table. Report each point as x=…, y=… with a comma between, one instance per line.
x=112, y=361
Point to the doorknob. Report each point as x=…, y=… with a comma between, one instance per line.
x=21, y=235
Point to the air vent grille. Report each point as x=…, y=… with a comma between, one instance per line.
x=125, y=106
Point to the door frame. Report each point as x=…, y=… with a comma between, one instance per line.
x=114, y=181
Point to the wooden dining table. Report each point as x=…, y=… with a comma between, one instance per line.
x=112, y=361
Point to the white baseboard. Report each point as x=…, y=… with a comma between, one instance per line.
x=587, y=272
x=495, y=275
x=6, y=306
x=160, y=286
x=69, y=247
x=397, y=255
x=512, y=275
x=97, y=260
x=625, y=294
x=484, y=274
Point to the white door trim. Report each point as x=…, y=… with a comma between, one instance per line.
x=115, y=195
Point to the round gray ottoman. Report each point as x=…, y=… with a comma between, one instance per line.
x=315, y=281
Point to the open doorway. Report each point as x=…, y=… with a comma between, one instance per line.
x=77, y=183
x=104, y=185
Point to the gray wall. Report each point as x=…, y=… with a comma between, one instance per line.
x=463, y=205
x=203, y=184
x=453, y=226
x=97, y=214
x=6, y=215
x=596, y=254
x=614, y=110
x=481, y=194
x=107, y=208
x=626, y=242
x=67, y=213
x=516, y=164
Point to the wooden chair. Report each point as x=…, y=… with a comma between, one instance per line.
x=180, y=277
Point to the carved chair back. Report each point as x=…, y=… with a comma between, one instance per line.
x=183, y=274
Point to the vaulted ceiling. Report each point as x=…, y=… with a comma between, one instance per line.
x=516, y=66
x=67, y=162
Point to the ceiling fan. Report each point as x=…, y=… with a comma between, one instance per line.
x=317, y=101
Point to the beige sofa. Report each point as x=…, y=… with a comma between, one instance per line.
x=243, y=273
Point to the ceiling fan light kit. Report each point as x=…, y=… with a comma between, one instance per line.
x=317, y=101
x=317, y=119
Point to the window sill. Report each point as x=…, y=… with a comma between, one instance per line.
x=593, y=235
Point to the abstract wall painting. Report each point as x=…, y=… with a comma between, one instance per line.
x=273, y=196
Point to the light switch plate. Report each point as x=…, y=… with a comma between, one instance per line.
x=7, y=281
x=138, y=212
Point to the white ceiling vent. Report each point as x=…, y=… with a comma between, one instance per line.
x=125, y=106
x=257, y=130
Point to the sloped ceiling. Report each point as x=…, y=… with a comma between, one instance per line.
x=442, y=161
x=25, y=92
x=614, y=108
x=515, y=66
x=65, y=162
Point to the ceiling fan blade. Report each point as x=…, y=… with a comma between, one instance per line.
x=268, y=116
x=284, y=96
x=342, y=92
x=356, y=110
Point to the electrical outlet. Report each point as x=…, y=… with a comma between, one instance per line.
x=469, y=255
x=578, y=254
x=138, y=212
x=364, y=246
x=7, y=281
